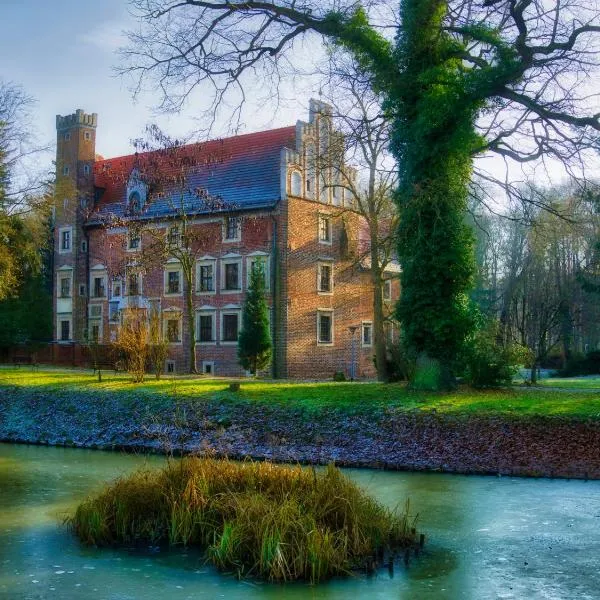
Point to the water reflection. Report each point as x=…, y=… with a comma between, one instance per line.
x=487, y=537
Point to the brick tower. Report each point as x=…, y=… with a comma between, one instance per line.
x=75, y=153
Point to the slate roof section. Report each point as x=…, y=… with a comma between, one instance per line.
x=237, y=173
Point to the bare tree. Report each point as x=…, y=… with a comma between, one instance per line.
x=362, y=140
x=165, y=168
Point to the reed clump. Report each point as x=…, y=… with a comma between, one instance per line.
x=257, y=519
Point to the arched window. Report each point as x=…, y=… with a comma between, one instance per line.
x=135, y=202
x=296, y=184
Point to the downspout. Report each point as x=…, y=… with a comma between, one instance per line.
x=274, y=296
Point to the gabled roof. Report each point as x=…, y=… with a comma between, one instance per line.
x=237, y=173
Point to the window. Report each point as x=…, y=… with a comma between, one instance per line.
x=387, y=289
x=94, y=336
x=84, y=246
x=134, y=240
x=67, y=136
x=174, y=236
x=113, y=311
x=325, y=278
x=95, y=311
x=65, y=286
x=205, y=328
x=170, y=366
x=65, y=330
x=325, y=229
x=208, y=367
x=65, y=239
x=116, y=288
x=66, y=170
x=98, y=287
x=173, y=282
x=233, y=229
x=133, y=284
x=230, y=327
x=231, y=275
x=87, y=135
x=86, y=169
x=205, y=276
x=173, y=330
x=296, y=184
x=258, y=262
x=325, y=327
x=388, y=328
x=82, y=289
x=367, y=334
x=135, y=202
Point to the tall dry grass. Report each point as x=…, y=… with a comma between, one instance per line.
x=257, y=519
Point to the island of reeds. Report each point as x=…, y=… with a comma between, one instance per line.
x=255, y=519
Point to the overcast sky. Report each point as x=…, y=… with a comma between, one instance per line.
x=62, y=52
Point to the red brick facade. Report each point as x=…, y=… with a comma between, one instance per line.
x=319, y=295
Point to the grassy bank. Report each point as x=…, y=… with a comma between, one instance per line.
x=350, y=398
x=278, y=523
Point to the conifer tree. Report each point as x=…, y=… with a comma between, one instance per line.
x=254, y=344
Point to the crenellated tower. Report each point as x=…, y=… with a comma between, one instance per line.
x=75, y=154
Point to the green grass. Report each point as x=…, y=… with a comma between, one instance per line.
x=278, y=523
x=590, y=383
x=317, y=397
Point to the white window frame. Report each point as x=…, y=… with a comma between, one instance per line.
x=229, y=311
x=204, y=262
x=174, y=267
x=365, y=324
x=86, y=169
x=96, y=320
x=95, y=305
x=59, y=319
x=386, y=292
x=327, y=217
x=168, y=234
x=65, y=274
x=66, y=170
x=97, y=273
x=126, y=285
x=206, y=312
x=116, y=281
x=129, y=238
x=227, y=260
x=320, y=265
x=113, y=304
x=171, y=314
x=329, y=312
x=62, y=230
x=238, y=237
x=265, y=259
x=205, y=363
x=67, y=136
x=297, y=192
x=87, y=136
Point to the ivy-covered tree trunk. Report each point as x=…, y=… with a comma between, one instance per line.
x=188, y=270
x=433, y=140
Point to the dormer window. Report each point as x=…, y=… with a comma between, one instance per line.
x=135, y=202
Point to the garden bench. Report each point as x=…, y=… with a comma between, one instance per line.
x=107, y=365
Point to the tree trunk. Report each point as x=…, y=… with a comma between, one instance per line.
x=378, y=330
x=191, y=322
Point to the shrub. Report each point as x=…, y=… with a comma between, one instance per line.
x=256, y=519
x=490, y=364
x=339, y=376
x=588, y=364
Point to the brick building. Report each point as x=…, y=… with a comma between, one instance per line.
x=275, y=206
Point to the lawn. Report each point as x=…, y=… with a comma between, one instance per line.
x=586, y=383
x=315, y=397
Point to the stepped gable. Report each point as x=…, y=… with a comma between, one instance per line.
x=242, y=172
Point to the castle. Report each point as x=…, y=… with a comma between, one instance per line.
x=275, y=206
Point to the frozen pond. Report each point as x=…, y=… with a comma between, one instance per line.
x=487, y=537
